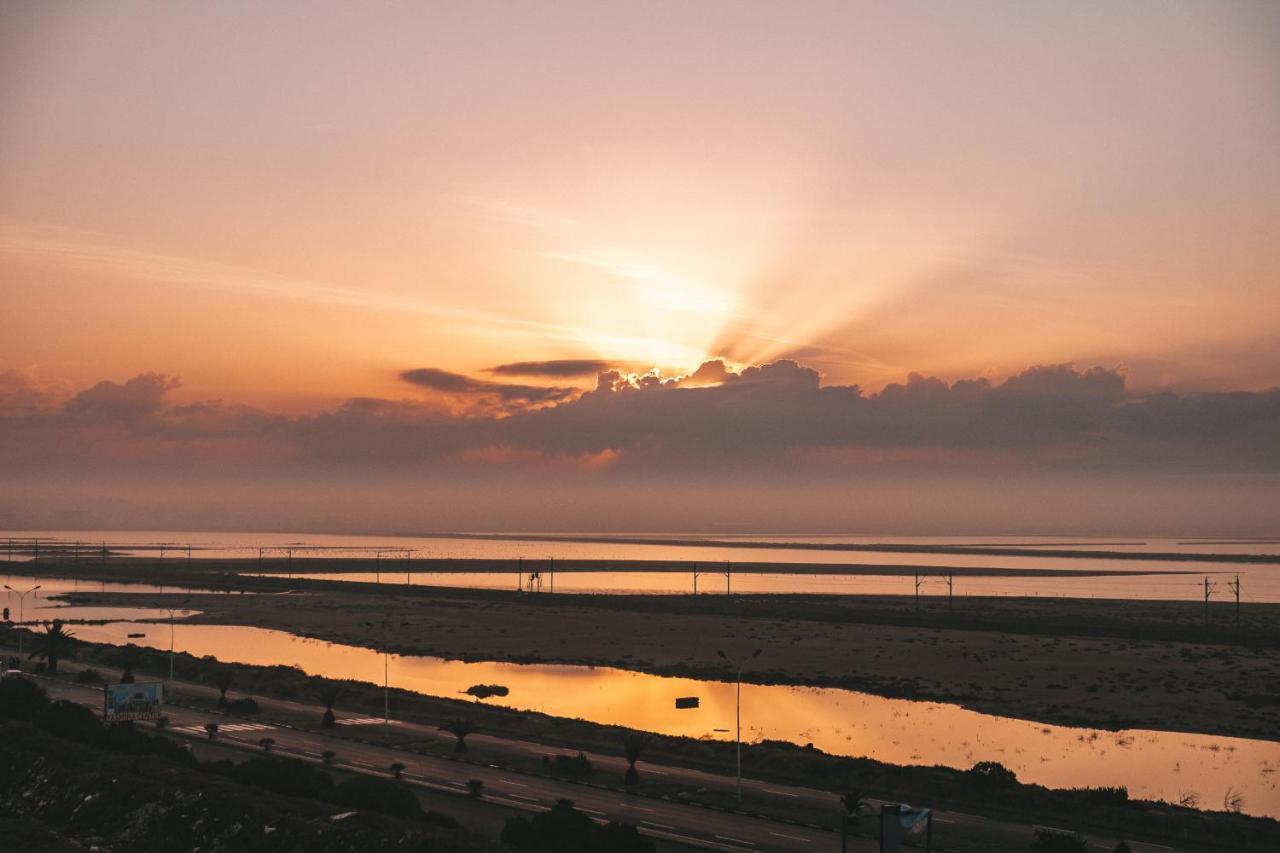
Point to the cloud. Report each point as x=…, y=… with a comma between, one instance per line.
x=776, y=420
x=456, y=384
x=137, y=398
x=566, y=367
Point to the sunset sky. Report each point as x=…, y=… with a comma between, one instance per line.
x=641, y=266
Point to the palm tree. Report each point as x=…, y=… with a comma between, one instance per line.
x=329, y=695
x=266, y=743
x=53, y=644
x=633, y=744
x=460, y=728
x=223, y=678
x=854, y=804
x=130, y=656
x=397, y=767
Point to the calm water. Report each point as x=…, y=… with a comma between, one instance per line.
x=1151, y=764
x=1260, y=582
x=1167, y=587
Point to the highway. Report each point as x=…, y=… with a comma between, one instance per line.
x=677, y=822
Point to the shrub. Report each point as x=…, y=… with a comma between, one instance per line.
x=991, y=774
x=88, y=676
x=475, y=787
x=22, y=699
x=1056, y=841
x=370, y=793
x=564, y=828
x=287, y=776
x=576, y=766
x=243, y=707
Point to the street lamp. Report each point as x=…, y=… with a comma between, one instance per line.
x=172, y=611
x=738, y=702
x=386, y=676
x=22, y=597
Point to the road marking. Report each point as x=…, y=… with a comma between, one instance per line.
x=736, y=840
x=943, y=820
x=513, y=782
x=792, y=837
x=696, y=842
x=780, y=793
x=659, y=825
x=587, y=810
x=523, y=797
x=637, y=808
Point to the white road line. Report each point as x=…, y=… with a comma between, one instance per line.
x=659, y=825
x=523, y=797
x=780, y=793
x=513, y=782
x=792, y=837
x=637, y=808
x=587, y=810
x=736, y=840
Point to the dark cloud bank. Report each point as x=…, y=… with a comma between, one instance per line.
x=770, y=445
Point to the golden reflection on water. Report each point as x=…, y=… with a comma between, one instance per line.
x=1160, y=765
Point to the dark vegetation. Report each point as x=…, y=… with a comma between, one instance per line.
x=564, y=829
x=988, y=790
x=69, y=782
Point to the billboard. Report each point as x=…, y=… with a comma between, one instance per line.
x=140, y=701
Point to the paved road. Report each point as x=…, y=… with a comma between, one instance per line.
x=674, y=821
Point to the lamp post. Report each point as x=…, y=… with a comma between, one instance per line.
x=22, y=598
x=172, y=611
x=386, y=677
x=739, y=665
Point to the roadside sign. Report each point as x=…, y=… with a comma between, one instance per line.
x=142, y=701
x=686, y=702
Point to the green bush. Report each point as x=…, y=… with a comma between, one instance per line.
x=991, y=774
x=88, y=676
x=287, y=776
x=372, y=794
x=244, y=707
x=564, y=829
x=575, y=766
x=1056, y=841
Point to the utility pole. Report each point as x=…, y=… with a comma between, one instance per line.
x=695, y=579
x=259, y=561
x=377, y=567
x=950, y=589
x=188, y=554
x=553, y=575
x=728, y=574
x=290, y=563
x=408, y=560
x=1235, y=587
x=1208, y=590
x=162, y=552
x=520, y=574
x=35, y=555
x=917, y=592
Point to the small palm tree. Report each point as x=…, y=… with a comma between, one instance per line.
x=266, y=743
x=53, y=644
x=211, y=729
x=328, y=755
x=633, y=744
x=223, y=678
x=329, y=695
x=130, y=656
x=855, y=805
x=397, y=767
x=460, y=728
